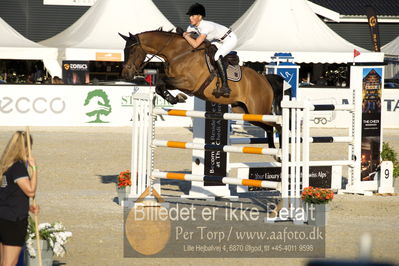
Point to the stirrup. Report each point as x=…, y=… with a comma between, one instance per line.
x=225, y=91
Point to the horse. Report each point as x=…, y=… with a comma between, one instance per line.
x=186, y=70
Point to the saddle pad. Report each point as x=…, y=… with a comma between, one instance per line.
x=233, y=72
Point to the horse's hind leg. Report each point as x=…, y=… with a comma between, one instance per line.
x=240, y=108
x=270, y=138
x=269, y=133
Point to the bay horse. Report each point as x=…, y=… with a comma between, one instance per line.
x=187, y=71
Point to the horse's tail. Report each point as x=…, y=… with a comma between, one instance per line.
x=277, y=83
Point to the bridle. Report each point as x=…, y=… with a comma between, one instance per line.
x=157, y=54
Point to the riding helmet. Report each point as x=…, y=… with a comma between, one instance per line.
x=196, y=9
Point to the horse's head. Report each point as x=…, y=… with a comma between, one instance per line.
x=134, y=56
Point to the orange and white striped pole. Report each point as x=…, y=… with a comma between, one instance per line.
x=225, y=116
x=211, y=147
x=219, y=179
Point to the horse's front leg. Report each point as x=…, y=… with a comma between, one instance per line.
x=163, y=91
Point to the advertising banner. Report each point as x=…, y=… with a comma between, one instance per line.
x=391, y=108
x=371, y=122
x=215, y=134
x=290, y=74
x=75, y=72
x=44, y=105
x=63, y=105
x=332, y=119
x=283, y=65
x=319, y=176
x=374, y=30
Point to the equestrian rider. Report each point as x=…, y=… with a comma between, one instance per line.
x=217, y=34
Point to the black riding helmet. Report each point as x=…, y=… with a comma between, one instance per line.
x=196, y=9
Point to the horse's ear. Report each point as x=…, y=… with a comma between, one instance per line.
x=123, y=36
x=134, y=38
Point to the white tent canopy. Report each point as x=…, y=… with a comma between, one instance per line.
x=271, y=26
x=94, y=36
x=391, y=48
x=391, y=51
x=15, y=46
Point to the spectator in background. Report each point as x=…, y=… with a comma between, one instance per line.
x=16, y=186
x=28, y=79
x=57, y=80
x=321, y=81
x=37, y=74
x=305, y=82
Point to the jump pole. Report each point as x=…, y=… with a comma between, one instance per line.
x=292, y=156
x=301, y=134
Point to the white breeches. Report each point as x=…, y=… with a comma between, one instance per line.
x=226, y=46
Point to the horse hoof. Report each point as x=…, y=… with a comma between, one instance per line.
x=277, y=158
x=181, y=98
x=182, y=95
x=173, y=101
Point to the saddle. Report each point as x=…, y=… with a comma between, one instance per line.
x=232, y=60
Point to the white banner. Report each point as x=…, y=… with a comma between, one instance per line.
x=328, y=96
x=67, y=105
x=390, y=107
x=64, y=105
x=390, y=115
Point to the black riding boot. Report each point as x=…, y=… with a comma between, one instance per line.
x=224, y=90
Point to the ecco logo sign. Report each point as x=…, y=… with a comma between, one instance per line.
x=38, y=105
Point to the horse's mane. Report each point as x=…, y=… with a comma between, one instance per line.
x=206, y=43
x=160, y=29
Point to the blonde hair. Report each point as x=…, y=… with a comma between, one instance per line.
x=15, y=150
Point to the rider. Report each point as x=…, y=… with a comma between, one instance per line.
x=217, y=34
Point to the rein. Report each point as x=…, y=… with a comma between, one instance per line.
x=145, y=63
x=185, y=53
x=158, y=53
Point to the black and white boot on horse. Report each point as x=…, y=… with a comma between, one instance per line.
x=164, y=93
x=224, y=90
